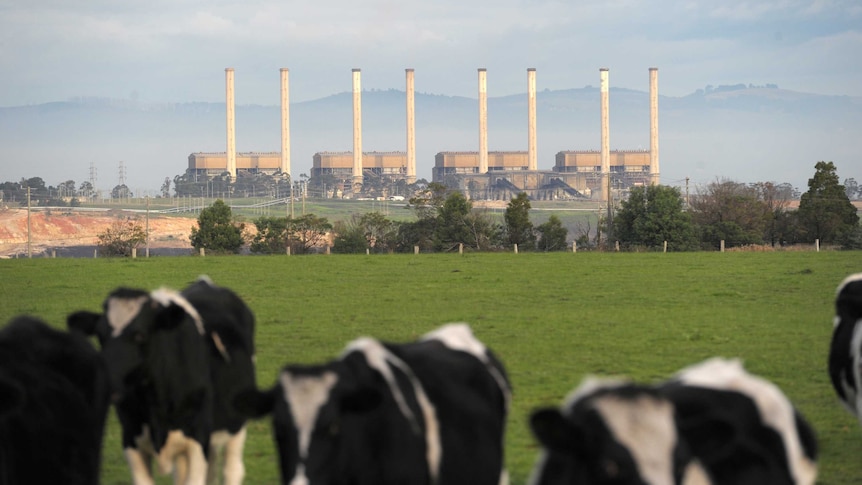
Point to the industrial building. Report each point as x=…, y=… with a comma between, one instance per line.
x=203, y=165
x=481, y=174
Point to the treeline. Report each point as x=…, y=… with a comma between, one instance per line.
x=739, y=215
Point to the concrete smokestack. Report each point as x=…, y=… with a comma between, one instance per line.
x=285, y=122
x=653, y=126
x=357, y=130
x=231, y=123
x=532, y=163
x=606, y=143
x=483, y=120
x=411, y=128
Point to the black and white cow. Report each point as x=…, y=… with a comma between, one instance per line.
x=176, y=360
x=426, y=412
x=712, y=423
x=54, y=398
x=845, y=351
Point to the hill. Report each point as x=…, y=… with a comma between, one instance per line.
x=742, y=132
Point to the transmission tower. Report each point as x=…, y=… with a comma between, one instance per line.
x=93, y=173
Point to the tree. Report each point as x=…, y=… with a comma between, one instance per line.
x=307, y=232
x=851, y=188
x=552, y=235
x=730, y=211
x=452, y=228
x=350, y=237
x=372, y=231
x=166, y=188
x=652, y=215
x=86, y=190
x=121, y=192
x=825, y=211
x=271, y=236
x=519, y=229
x=121, y=237
x=66, y=189
x=216, y=230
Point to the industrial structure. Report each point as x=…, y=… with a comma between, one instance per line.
x=481, y=174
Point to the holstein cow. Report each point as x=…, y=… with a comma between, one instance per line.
x=427, y=412
x=713, y=423
x=845, y=352
x=176, y=360
x=54, y=398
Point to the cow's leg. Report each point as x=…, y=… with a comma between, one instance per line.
x=181, y=469
x=197, y=464
x=234, y=469
x=139, y=465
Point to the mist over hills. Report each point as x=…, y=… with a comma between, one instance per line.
x=742, y=132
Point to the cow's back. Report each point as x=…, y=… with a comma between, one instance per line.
x=54, y=433
x=470, y=406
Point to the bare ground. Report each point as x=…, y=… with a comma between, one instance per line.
x=72, y=232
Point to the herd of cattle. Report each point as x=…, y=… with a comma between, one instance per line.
x=179, y=370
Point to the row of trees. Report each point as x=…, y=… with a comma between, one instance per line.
x=740, y=215
x=445, y=221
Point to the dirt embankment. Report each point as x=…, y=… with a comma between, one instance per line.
x=66, y=228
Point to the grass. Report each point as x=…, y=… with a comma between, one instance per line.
x=551, y=318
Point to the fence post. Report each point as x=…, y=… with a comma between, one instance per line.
x=53, y=253
x=367, y=251
x=415, y=249
x=817, y=245
x=203, y=252
x=327, y=249
x=722, y=245
x=516, y=249
x=617, y=246
x=460, y=248
x=665, y=247
x=134, y=253
x=574, y=246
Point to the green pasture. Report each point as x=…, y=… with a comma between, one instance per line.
x=551, y=318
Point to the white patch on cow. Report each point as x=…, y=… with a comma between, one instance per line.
x=299, y=477
x=167, y=296
x=178, y=444
x=695, y=474
x=306, y=395
x=459, y=336
x=589, y=385
x=231, y=446
x=206, y=279
x=121, y=312
x=139, y=466
x=220, y=347
x=645, y=426
x=538, y=468
x=773, y=406
x=854, y=396
x=850, y=279
x=380, y=359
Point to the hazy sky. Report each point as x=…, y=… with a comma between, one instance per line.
x=177, y=50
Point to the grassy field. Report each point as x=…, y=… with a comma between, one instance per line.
x=551, y=318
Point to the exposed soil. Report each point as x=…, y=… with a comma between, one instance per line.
x=74, y=233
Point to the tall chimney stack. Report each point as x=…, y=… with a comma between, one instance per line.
x=653, y=126
x=532, y=163
x=411, y=128
x=285, y=122
x=606, y=144
x=357, y=130
x=231, y=124
x=483, y=120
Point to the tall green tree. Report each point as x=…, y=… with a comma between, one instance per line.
x=732, y=212
x=825, y=211
x=519, y=229
x=217, y=231
x=652, y=215
x=452, y=227
x=308, y=232
x=552, y=235
x=121, y=238
x=271, y=235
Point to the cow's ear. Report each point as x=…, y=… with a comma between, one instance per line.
x=553, y=430
x=254, y=403
x=361, y=400
x=83, y=321
x=11, y=396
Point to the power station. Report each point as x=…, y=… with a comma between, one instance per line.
x=482, y=174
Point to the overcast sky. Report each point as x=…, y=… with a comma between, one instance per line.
x=177, y=50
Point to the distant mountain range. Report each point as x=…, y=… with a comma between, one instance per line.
x=741, y=132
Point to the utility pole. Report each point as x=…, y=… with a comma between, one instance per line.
x=686, y=193
x=148, y=228
x=29, y=249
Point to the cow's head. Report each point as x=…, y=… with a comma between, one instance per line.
x=131, y=324
x=611, y=433
x=318, y=419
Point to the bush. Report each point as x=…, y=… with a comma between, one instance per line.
x=121, y=237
